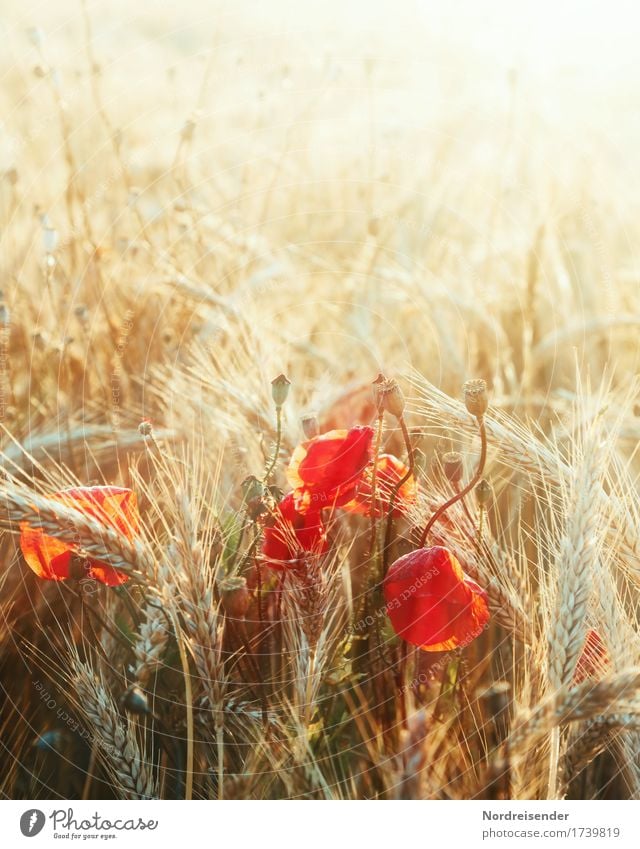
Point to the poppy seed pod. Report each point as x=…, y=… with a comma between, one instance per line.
x=483, y=492
x=475, y=397
x=392, y=398
x=135, y=701
x=452, y=466
x=145, y=428
x=310, y=426
x=280, y=389
x=235, y=596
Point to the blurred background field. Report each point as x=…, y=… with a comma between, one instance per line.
x=425, y=184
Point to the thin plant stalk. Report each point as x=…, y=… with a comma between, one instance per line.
x=188, y=792
x=466, y=489
x=396, y=490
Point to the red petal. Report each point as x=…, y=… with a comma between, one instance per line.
x=431, y=603
x=593, y=660
x=48, y=557
x=326, y=470
x=390, y=472
x=291, y=533
x=112, y=506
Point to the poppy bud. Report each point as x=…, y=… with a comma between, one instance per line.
x=280, y=389
x=310, y=426
x=452, y=466
x=377, y=386
x=235, y=596
x=483, y=492
x=475, y=397
x=252, y=488
x=135, y=701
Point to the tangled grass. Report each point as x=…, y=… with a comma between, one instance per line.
x=165, y=263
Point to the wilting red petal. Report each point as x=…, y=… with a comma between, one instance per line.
x=593, y=660
x=326, y=470
x=355, y=405
x=50, y=558
x=290, y=534
x=390, y=472
x=432, y=603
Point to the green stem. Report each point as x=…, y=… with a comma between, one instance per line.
x=474, y=480
x=276, y=452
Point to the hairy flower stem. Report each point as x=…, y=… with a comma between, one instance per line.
x=276, y=451
x=461, y=494
x=395, y=491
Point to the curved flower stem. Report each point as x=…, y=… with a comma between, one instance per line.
x=276, y=451
x=458, y=495
x=395, y=491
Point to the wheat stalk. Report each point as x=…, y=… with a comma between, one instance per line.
x=114, y=736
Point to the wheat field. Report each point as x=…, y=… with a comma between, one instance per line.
x=196, y=198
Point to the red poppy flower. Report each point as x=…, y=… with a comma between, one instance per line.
x=390, y=472
x=326, y=470
x=52, y=558
x=593, y=660
x=289, y=534
x=432, y=603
